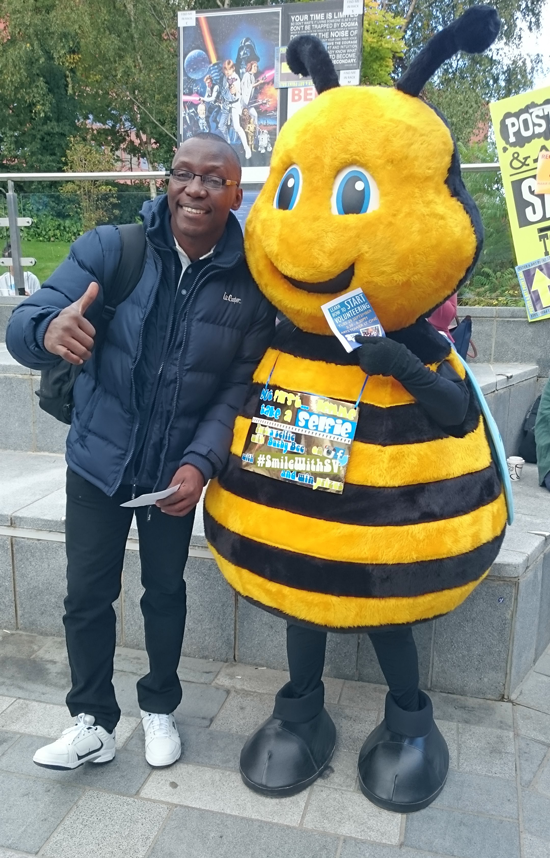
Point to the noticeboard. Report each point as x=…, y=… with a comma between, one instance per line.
x=522, y=131
x=233, y=79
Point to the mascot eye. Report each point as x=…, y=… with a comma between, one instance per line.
x=289, y=189
x=354, y=192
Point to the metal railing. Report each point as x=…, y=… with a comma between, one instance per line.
x=16, y=262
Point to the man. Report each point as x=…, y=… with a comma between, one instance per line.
x=158, y=411
x=7, y=282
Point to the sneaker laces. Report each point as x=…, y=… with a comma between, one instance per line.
x=159, y=725
x=79, y=727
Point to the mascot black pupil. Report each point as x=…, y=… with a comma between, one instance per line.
x=353, y=196
x=288, y=192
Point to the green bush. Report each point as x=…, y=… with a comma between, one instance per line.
x=46, y=227
x=490, y=288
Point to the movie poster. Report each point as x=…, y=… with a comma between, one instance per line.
x=226, y=81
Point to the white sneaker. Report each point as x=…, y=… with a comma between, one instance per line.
x=162, y=740
x=82, y=743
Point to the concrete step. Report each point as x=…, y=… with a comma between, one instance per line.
x=483, y=649
x=509, y=388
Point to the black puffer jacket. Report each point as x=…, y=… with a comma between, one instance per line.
x=205, y=345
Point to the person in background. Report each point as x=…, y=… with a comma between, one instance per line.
x=7, y=282
x=542, y=438
x=444, y=318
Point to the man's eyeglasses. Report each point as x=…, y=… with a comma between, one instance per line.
x=214, y=183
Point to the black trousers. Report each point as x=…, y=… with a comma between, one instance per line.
x=397, y=656
x=96, y=530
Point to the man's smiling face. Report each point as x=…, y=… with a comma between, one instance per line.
x=199, y=214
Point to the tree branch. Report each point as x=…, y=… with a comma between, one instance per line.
x=150, y=115
x=408, y=16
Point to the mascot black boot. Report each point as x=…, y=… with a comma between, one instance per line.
x=289, y=752
x=404, y=762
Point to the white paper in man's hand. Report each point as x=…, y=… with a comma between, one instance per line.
x=151, y=498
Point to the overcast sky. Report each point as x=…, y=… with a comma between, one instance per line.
x=541, y=45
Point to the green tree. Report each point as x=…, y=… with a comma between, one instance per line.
x=38, y=107
x=97, y=199
x=383, y=43
x=464, y=86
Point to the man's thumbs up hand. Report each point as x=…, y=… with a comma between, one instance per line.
x=70, y=335
x=88, y=298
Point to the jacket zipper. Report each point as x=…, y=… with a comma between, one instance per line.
x=138, y=355
x=154, y=393
x=174, y=402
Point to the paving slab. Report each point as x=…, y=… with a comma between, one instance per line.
x=535, y=692
x=203, y=834
x=243, y=712
x=21, y=644
x=5, y=702
x=472, y=710
x=533, y=847
x=9, y=853
x=108, y=826
x=484, y=751
x=32, y=810
x=462, y=835
x=449, y=731
x=359, y=849
x=342, y=771
x=126, y=774
x=543, y=664
x=479, y=794
x=53, y=649
x=363, y=695
x=199, y=704
x=221, y=791
x=47, y=513
x=6, y=739
x=533, y=724
x=353, y=726
x=203, y=746
x=542, y=781
x=34, y=679
x=351, y=814
x=26, y=478
x=536, y=815
x=198, y=670
x=530, y=755
x=265, y=680
x=46, y=719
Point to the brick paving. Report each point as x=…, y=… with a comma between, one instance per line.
x=496, y=803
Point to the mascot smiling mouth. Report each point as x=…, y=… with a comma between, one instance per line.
x=335, y=284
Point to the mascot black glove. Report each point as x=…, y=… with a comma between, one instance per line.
x=443, y=394
x=383, y=356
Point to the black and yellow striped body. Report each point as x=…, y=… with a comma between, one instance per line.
x=417, y=527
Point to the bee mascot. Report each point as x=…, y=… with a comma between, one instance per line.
x=364, y=191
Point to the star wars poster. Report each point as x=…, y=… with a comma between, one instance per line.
x=226, y=81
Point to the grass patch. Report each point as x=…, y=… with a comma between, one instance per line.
x=48, y=255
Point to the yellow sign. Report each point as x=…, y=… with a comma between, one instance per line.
x=543, y=174
x=522, y=131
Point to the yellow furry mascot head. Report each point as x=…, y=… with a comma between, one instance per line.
x=365, y=190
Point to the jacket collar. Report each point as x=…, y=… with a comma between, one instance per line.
x=229, y=250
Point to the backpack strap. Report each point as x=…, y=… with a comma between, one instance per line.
x=129, y=269
x=133, y=246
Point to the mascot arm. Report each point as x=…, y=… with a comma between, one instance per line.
x=443, y=394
